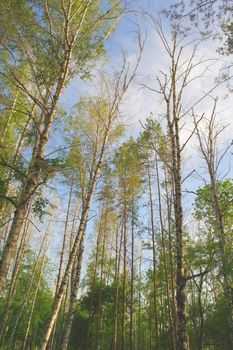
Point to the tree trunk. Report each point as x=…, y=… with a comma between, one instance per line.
x=154, y=257
x=74, y=291
x=124, y=277
x=11, y=292
x=113, y=110
x=19, y=146
x=76, y=245
x=139, y=342
x=208, y=150
x=171, y=264
x=117, y=278
x=64, y=239
x=24, y=346
x=174, y=135
x=32, y=182
x=227, y=286
x=53, y=343
x=94, y=279
x=31, y=280
x=173, y=340
x=99, y=308
x=132, y=330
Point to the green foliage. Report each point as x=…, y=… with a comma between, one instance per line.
x=216, y=325
x=228, y=45
x=204, y=203
x=204, y=211
x=52, y=166
x=33, y=51
x=153, y=139
x=39, y=207
x=128, y=169
x=28, y=275
x=85, y=131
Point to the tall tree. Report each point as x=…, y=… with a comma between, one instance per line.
x=57, y=44
x=213, y=158
x=107, y=110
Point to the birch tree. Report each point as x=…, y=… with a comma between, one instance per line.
x=67, y=37
x=108, y=107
